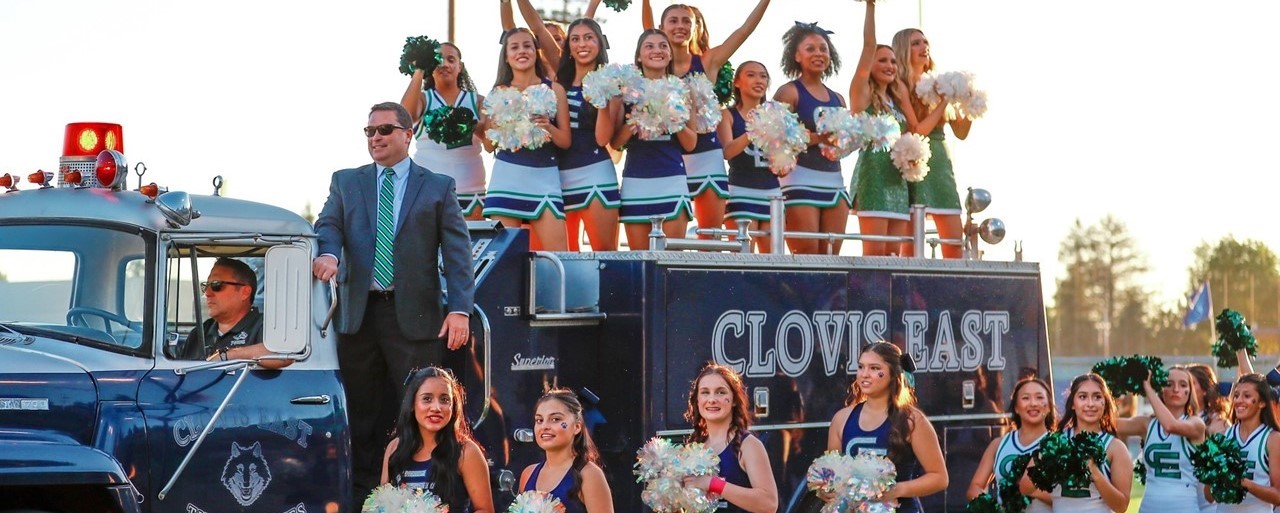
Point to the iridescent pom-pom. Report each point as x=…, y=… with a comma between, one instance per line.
x=778, y=134
x=661, y=106
x=606, y=82
x=509, y=111
x=662, y=467
x=927, y=91
x=704, y=104
x=534, y=501
x=843, y=129
x=1233, y=335
x=829, y=477
x=878, y=132
x=911, y=156
x=423, y=501
x=386, y=499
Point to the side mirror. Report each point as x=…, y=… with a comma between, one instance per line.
x=176, y=208
x=286, y=315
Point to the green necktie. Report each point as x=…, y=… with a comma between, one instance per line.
x=383, y=264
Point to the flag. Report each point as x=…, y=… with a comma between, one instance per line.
x=1200, y=306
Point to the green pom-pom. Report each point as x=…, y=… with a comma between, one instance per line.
x=1140, y=470
x=1233, y=335
x=420, y=53
x=617, y=5
x=1220, y=464
x=984, y=503
x=724, y=84
x=1011, y=498
x=1063, y=460
x=450, y=126
x=1125, y=374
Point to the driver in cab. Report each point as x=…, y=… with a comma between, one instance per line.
x=233, y=330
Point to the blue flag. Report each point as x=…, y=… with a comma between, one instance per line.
x=1200, y=307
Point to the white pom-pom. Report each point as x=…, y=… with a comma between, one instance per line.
x=703, y=103
x=975, y=107
x=534, y=501
x=606, y=82
x=509, y=110
x=386, y=499
x=540, y=100
x=927, y=89
x=662, y=467
x=423, y=501
x=778, y=134
x=660, y=106
x=911, y=156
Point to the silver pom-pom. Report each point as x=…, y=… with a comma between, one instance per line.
x=662, y=467
x=608, y=81
x=704, y=103
x=778, y=134
x=660, y=106
x=387, y=499
x=911, y=156
x=510, y=111
x=534, y=501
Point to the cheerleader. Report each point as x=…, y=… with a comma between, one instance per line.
x=815, y=196
x=433, y=449
x=550, y=36
x=1254, y=427
x=882, y=418
x=1033, y=417
x=1209, y=401
x=751, y=182
x=653, y=178
x=1167, y=437
x=570, y=470
x=718, y=413
x=525, y=184
x=449, y=85
x=937, y=192
x=692, y=53
x=1090, y=408
x=879, y=192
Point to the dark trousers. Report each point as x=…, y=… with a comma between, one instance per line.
x=374, y=363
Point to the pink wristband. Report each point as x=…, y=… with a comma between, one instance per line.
x=716, y=487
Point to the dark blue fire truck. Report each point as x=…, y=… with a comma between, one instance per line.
x=97, y=413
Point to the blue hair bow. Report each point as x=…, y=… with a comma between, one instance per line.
x=814, y=27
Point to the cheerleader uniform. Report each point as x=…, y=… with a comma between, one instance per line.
x=525, y=183
x=1171, y=480
x=586, y=171
x=1085, y=500
x=1009, y=449
x=876, y=441
x=731, y=471
x=561, y=491
x=462, y=163
x=705, y=164
x=416, y=477
x=816, y=179
x=1202, y=500
x=877, y=186
x=937, y=192
x=751, y=182
x=1258, y=463
x=653, y=181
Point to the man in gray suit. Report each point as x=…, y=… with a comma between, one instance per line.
x=382, y=231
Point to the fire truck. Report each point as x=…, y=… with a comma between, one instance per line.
x=99, y=413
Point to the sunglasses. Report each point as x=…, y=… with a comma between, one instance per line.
x=218, y=285
x=381, y=129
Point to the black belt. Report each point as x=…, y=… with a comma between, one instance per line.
x=382, y=295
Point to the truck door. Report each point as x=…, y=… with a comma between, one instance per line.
x=274, y=447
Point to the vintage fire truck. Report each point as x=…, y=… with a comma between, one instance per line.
x=98, y=412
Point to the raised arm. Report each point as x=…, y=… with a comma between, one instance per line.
x=859, y=88
x=714, y=58
x=1192, y=428
x=646, y=15
x=546, y=43
x=414, y=99
x=508, y=16
x=591, y=9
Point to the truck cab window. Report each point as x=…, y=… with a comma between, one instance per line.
x=214, y=303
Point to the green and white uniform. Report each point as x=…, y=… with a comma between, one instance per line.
x=1083, y=500
x=1259, y=469
x=1008, y=451
x=1171, y=480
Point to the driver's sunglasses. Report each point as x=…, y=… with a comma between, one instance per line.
x=217, y=285
x=381, y=129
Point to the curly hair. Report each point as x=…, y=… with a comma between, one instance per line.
x=739, y=418
x=791, y=44
x=464, y=78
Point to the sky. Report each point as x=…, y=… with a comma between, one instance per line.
x=1147, y=110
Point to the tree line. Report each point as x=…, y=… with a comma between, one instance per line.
x=1102, y=307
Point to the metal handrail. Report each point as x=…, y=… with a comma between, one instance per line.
x=488, y=363
x=333, y=307
x=533, y=273
x=243, y=367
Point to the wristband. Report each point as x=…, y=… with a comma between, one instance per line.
x=222, y=354
x=717, y=486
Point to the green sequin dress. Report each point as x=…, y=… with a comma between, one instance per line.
x=877, y=186
x=937, y=192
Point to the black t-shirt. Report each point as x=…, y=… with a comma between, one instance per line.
x=247, y=332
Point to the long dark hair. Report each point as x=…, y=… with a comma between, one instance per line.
x=739, y=419
x=449, y=441
x=505, y=73
x=584, y=449
x=1266, y=396
x=1050, y=417
x=567, y=69
x=1207, y=380
x=902, y=399
x=1108, y=420
x=737, y=94
x=464, y=78
x=671, y=64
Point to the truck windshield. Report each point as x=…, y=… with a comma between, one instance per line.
x=84, y=284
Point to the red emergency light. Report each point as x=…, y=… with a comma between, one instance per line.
x=150, y=190
x=9, y=182
x=89, y=139
x=110, y=169
x=40, y=178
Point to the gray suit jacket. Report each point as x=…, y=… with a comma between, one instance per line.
x=430, y=226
